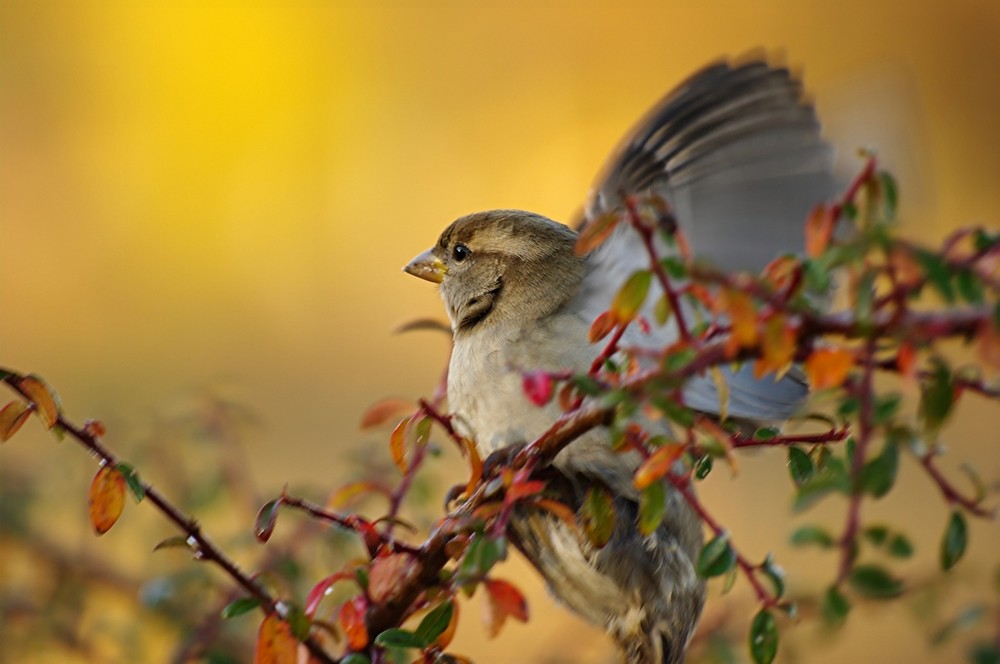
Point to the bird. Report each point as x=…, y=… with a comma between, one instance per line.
x=737, y=152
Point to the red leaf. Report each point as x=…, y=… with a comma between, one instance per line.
x=320, y=590
x=504, y=600
x=657, y=465
x=523, y=489
x=107, y=498
x=819, y=230
x=12, y=417
x=386, y=410
x=388, y=572
x=275, y=642
x=352, y=621
x=538, y=387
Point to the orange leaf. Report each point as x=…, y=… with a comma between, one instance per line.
x=352, y=621
x=596, y=231
x=777, y=347
x=42, y=397
x=657, y=465
x=397, y=444
x=387, y=573
x=475, y=465
x=275, y=642
x=504, y=600
x=560, y=511
x=988, y=348
x=906, y=361
x=780, y=272
x=819, y=230
x=344, y=494
x=386, y=410
x=13, y=415
x=445, y=638
x=107, y=498
x=602, y=326
x=828, y=367
x=742, y=320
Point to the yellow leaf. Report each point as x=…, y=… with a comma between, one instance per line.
x=657, y=465
x=828, y=367
x=42, y=397
x=275, y=642
x=107, y=498
x=13, y=415
x=631, y=296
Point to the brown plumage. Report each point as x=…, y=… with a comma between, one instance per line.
x=734, y=146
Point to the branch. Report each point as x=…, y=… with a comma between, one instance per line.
x=203, y=547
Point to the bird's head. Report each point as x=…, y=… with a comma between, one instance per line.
x=501, y=265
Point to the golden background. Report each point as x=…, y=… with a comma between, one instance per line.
x=196, y=196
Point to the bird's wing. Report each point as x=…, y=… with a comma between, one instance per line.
x=737, y=152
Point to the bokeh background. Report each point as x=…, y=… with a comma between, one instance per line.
x=210, y=203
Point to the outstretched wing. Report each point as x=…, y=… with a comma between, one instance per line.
x=737, y=152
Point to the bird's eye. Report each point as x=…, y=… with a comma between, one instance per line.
x=460, y=253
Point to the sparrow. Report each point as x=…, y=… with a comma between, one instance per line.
x=736, y=151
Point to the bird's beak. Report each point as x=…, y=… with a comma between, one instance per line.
x=427, y=266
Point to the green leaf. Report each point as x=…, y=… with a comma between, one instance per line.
x=832, y=477
x=674, y=267
x=674, y=411
x=773, y=572
x=766, y=433
x=937, y=272
x=298, y=621
x=175, y=542
x=483, y=553
x=678, y=359
x=652, y=507
x=240, y=606
x=985, y=653
x=356, y=658
x=435, y=623
x=703, y=467
x=877, y=535
x=629, y=299
x=586, y=385
x=900, y=546
x=886, y=407
x=835, y=606
x=879, y=474
x=132, y=480
x=763, y=637
x=970, y=287
x=938, y=396
x=395, y=637
x=717, y=557
x=955, y=539
x=597, y=514
x=890, y=194
x=875, y=582
x=266, y=518
x=799, y=465
x=661, y=310
x=812, y=535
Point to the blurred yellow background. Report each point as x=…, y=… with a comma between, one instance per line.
x=198, y=195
